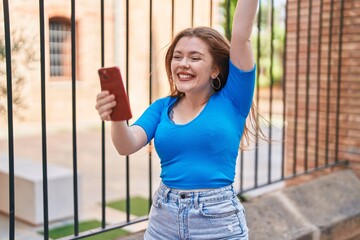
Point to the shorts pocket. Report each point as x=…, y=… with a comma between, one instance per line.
x=241, y=215
x=156, y=200
x=218, y=209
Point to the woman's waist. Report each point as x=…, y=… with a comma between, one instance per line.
x=201, y=195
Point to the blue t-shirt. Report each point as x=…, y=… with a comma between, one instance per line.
x=203, y=152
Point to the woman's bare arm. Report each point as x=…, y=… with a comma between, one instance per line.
x=127, y=140
x=241, y=53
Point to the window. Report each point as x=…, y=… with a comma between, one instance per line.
x=60, y=49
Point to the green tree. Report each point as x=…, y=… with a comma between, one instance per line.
x=22, y=55
x=228, y=7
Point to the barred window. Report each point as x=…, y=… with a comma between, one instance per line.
x=60, y=49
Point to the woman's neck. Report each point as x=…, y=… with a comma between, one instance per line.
x=196, y=101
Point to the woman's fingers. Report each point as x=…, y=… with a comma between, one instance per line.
x=105, y=116
x=106, y=110
x=101, y=98
x=105, y=102
x=102, y=104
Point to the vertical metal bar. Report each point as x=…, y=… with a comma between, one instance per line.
x=73, y=81
x=317, y=131
x=211, y=13
x=257, y=94
x=43, y=120
x=271, y=86
x=339, y=81
x=228, y=30
x=328, y=85
x=296, y=86
x=103, y=159
x=150, y=97
x=284, y=96
x=307, y=87
x=10, y=120
x=241, y=171
x=172, y=18
x=127, y=90
x=192, y=12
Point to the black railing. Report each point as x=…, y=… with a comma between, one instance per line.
x=330, y=62
x=10, y=121
x=256, y=179
x=43, y=120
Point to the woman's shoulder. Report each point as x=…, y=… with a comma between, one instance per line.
x=164, y=101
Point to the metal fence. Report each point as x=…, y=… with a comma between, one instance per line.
x=262, y=166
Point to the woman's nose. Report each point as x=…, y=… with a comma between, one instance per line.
x=184, y=62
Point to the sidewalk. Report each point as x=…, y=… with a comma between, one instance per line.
x=59, y=152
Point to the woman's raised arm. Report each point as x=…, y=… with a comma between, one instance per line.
x=241, y=53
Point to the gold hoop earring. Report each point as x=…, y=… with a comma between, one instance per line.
x=216, y=86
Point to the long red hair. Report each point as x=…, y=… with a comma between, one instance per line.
x=219, y=48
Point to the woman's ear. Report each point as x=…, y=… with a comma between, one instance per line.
x=215, y=72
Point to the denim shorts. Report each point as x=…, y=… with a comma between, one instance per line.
x=212, y=214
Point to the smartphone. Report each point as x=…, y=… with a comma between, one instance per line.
x=111, y=80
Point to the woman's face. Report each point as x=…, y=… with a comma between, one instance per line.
x=192, y=66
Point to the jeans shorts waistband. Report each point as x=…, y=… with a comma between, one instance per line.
x=212, y=195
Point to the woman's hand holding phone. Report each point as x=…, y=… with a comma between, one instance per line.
x=105, y=102
x=112, y=103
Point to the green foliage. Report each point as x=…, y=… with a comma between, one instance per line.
x=264, y=57
x=68, y=230
x=138, y=206
x=22, y=55
x=228, y=9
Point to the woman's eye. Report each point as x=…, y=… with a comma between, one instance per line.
x=176, y=57
x=195, y=58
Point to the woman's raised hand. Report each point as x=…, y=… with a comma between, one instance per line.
x=105, y=102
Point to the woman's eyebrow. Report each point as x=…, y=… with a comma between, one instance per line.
x=196, y=52
x=191, y=52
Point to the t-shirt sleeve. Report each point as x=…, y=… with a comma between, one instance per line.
x=239, y=88
x=150, y=119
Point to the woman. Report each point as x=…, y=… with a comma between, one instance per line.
x=197, y=132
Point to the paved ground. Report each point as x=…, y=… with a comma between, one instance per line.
x=60, y=152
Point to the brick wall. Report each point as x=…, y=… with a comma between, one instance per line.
x=314, y=91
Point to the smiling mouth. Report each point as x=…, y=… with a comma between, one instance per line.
x=185, y=76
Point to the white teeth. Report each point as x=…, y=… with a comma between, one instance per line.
x=184, y=76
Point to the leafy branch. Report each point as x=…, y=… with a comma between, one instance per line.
x=22, y=55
